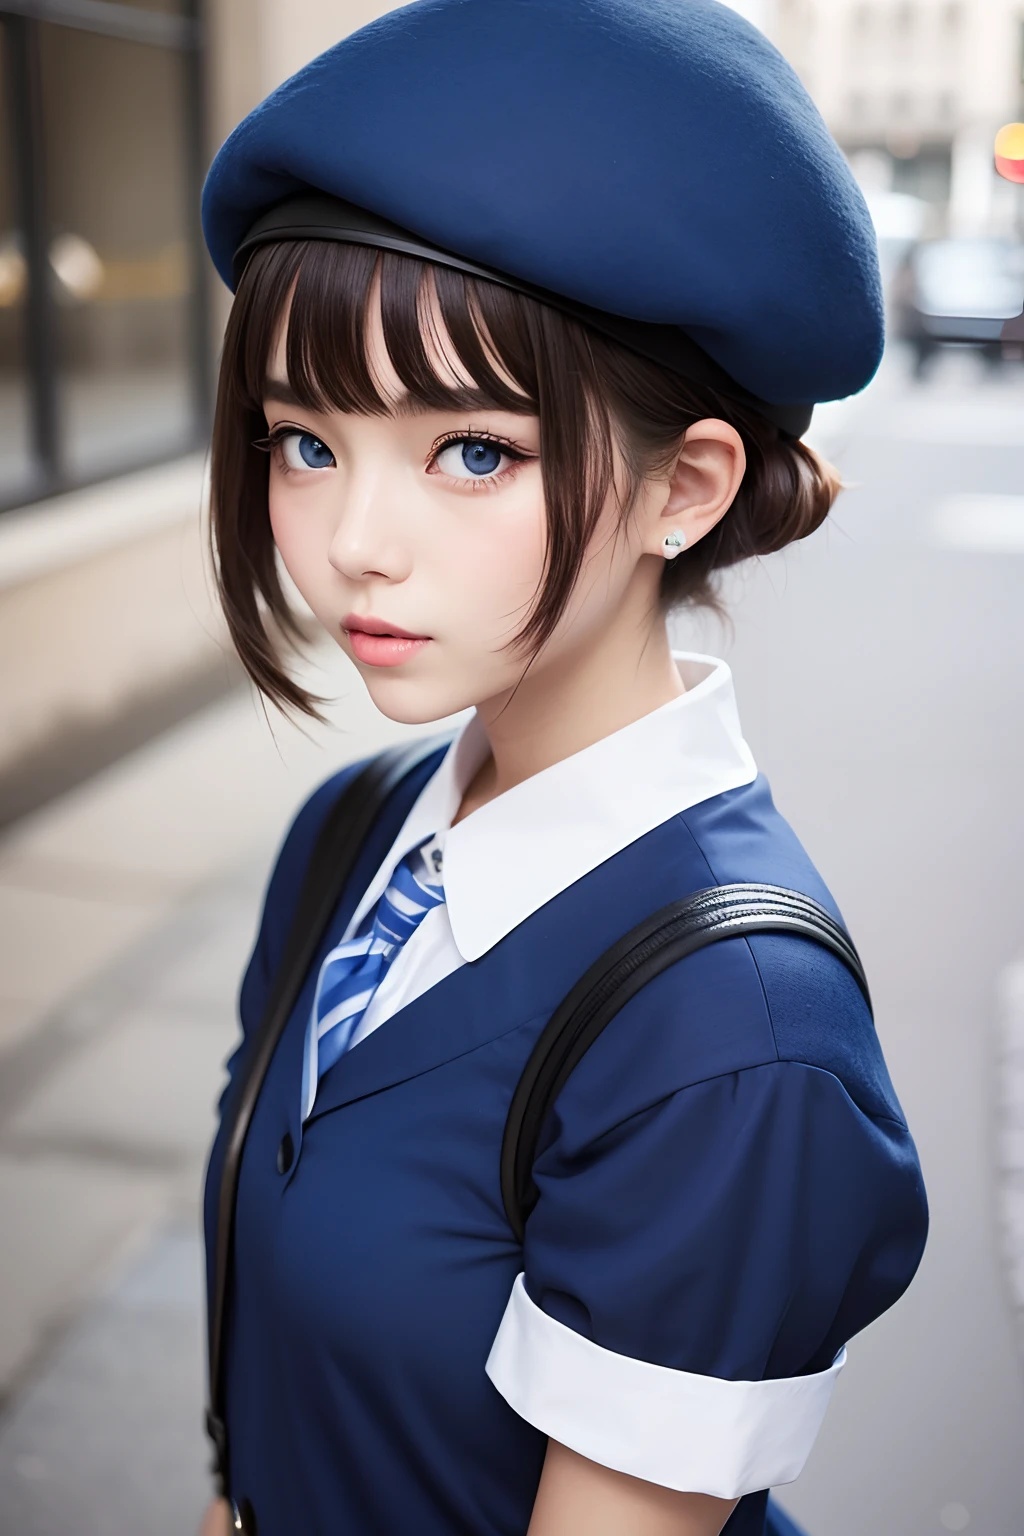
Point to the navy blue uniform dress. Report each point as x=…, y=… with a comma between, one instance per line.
x=728, y=1193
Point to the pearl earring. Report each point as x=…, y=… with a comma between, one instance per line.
x=672, y=543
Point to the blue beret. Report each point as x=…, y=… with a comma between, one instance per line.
x=652, y=159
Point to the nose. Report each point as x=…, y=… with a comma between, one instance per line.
x=367, y=540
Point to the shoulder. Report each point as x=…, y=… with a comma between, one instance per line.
x=284, y=886
x=741, y=835
x=742, y=1003
x=297, y=846
x=817, y=1014
x=404, y=778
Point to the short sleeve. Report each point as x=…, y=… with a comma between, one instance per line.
x=692, y=1273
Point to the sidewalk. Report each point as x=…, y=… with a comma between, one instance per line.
x=127, y=911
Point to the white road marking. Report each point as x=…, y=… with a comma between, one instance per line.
x=977, y=423
x=987, y=524
x=1009, y=1140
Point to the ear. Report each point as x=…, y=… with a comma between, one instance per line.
x=703, y=484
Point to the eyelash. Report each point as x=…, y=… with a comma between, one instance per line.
x=518, y=456
x=272, y=444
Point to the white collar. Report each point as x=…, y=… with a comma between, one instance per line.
x=587, y=807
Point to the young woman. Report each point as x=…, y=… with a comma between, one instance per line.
x=526, y=292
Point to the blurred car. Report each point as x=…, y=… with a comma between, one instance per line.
x=900, y=221
x=961, y=290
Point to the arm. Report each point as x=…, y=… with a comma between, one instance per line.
x=578, y=1497
x=694, y=1275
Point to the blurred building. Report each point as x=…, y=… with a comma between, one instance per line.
x=102, y=328
x=110, y=316
x=915, y=90
x=109, y=114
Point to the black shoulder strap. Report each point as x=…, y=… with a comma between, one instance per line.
x=722, y=912
x=338, y=844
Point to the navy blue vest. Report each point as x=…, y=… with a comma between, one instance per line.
x=727, y=1187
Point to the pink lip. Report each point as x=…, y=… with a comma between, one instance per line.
x=380, y=644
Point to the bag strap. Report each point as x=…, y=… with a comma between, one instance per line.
x=338, y=845
x=721, y=912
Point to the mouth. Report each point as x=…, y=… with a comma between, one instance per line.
x=378, y=643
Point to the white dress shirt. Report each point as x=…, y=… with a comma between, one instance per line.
x=553, y=828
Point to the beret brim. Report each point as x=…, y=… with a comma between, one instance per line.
x=316, y=216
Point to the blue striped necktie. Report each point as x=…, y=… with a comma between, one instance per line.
x=352, y=972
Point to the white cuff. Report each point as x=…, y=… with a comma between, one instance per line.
x=697, y=1434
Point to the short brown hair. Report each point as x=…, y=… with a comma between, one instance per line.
x=590, y=394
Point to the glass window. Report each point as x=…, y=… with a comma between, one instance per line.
x=16, y=464
x=113, y=116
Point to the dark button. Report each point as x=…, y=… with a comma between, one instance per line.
x=285, y=1153
x=243, y=1517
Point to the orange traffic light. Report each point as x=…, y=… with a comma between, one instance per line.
x=1010, y=152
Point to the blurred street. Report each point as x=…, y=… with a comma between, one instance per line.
x=880, y=673
x=128, y=909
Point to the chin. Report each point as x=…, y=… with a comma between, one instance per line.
x=409, y=702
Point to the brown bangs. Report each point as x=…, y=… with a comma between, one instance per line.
x=334, y=287
x=591, y=396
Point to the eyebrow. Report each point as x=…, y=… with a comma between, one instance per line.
x=280, y=392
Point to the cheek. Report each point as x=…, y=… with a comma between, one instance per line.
x=299, y=539
x=604, y=577
x=497, y=560
x=281, y=524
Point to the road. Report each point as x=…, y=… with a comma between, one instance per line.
x=879, y=670
x=880, y=674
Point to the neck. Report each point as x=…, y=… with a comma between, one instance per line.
x=598, y=685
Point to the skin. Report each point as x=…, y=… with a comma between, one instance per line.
x=394, y=528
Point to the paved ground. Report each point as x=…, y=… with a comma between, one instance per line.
x=127, y=911
x=880, y=677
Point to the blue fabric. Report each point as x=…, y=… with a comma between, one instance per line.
x=657, y=159
x=779, y=1523
x=727, y=1186
x=353, y=970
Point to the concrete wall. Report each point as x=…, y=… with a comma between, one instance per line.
x=949, y=64
x=255, y=44
x=108, y=628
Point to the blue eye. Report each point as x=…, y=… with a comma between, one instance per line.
x=301, y=450
x=481, y=458
x=471, y=458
